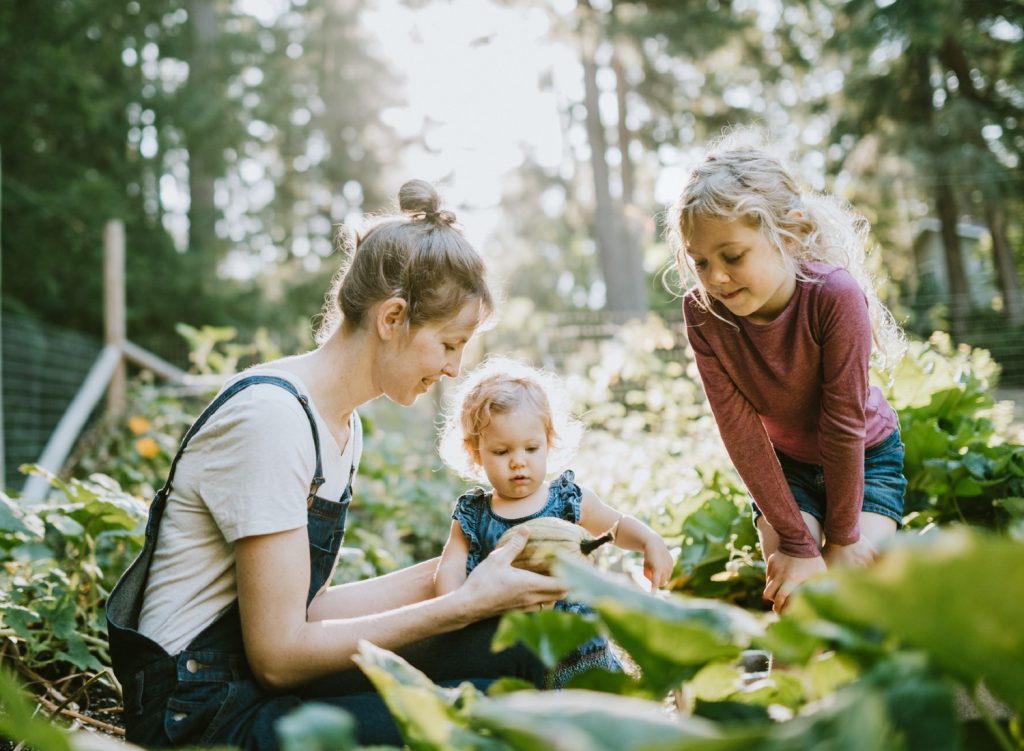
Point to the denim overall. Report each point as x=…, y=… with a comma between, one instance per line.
x=207, y=694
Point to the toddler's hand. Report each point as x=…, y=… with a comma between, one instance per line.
x=855, y=555
x=658, y=563
x=786, y=573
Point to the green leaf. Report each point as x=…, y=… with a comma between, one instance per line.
x=508, y=686
x=574, y=720
x=670, y=638
x=827, y=673
x=956, y=596
x=18, y=722
x=1014, y=506
x=724, y=682
x=317, y=727
x=16, y=524
x=549, y=634
x=603, y=680
x=424, y=712
x=977, y=464
x=20, y=619
x=790, y=641
x=919, y=703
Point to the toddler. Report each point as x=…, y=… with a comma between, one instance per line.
x=509, y=424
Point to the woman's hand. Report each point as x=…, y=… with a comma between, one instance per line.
x=658, y=563
x=854, y=555
x=495, y=586
x=786, y=573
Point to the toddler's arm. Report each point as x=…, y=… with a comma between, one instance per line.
x=597, y=517
x=451, y=569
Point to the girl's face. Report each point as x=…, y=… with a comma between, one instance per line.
x=737, y=265
x=514, y=453
x=427, y=353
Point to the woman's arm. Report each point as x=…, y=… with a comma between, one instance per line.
x=285, y=649
x=630, y=533
x=403, y=587
x=451, y=570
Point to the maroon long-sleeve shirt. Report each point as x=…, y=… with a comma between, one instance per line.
x=798, y=384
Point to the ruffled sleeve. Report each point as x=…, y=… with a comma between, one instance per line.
x=468, y=510
x=567, y=497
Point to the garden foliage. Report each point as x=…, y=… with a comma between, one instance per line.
x=888, y=658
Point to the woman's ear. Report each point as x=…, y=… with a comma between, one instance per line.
x=391, y=317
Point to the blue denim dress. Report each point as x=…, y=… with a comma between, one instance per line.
x=483, y=528
x=207, y=694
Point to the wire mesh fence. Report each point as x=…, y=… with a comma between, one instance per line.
x=43, y=367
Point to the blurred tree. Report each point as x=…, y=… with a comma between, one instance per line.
x=618, y=248
x=671, y=74
x=229, y=144
x=68, y=78
x=942, y=85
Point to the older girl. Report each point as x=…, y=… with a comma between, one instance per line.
x=781, y=323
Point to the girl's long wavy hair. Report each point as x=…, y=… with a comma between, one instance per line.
x=498, y=386
x=740, y=180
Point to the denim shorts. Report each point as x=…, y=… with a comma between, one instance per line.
x=884, y=483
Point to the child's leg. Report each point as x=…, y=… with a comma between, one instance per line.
x=877, y=528
x=770, y=539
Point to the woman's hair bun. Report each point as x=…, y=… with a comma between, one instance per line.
x=421, y=200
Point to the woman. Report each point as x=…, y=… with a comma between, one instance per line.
x=226, y=621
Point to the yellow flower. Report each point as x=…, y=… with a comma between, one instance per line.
x=147, y=448
x=138, y=424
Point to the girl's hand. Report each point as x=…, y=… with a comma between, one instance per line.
x=786, y=573
x=495, y=586
x=854, y=555
x=658, y=563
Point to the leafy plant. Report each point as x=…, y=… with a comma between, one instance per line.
x=63, y=557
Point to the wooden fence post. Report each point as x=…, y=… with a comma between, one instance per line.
x=115, y=327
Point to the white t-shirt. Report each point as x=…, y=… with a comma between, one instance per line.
x=246, y=472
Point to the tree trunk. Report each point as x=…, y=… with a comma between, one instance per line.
x=621, y=265
x=959, y=300
x=625, y=138
x=630, y=225
x=203, y=159
x=1006, y=266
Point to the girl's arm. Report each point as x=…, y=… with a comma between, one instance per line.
x=846, y=353
x=285, y=648
x=451, y=571
x=630, y=533
x=747, y=442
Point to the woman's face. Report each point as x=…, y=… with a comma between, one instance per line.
x=426, y=353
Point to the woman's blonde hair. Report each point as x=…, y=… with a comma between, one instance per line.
x=496, y=387
x=419, y=255
x=740, y=179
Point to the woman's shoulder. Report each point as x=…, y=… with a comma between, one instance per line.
x=261, y=409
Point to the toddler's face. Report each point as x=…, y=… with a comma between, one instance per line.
x=514, y=453
x=739, y=267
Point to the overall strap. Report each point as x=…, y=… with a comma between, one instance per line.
x=240, y=385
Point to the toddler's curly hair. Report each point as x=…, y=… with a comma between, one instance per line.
x=498, y=386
